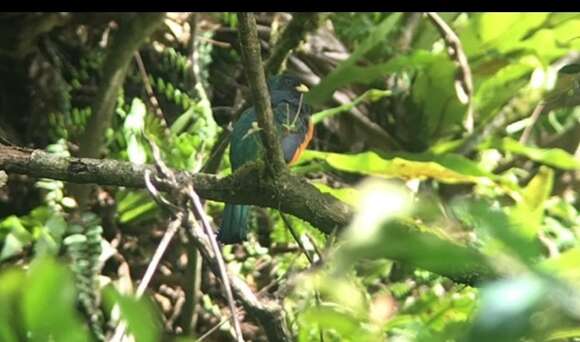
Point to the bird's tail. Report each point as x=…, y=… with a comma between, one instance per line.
x=235, y=224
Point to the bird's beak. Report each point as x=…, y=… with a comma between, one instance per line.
x=302, y=88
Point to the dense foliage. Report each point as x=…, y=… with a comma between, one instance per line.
x=466, y=223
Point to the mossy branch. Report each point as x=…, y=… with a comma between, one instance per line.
x=256, y=78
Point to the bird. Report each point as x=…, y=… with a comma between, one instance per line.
x=295, y=130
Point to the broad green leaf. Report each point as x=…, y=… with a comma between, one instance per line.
x=139, y=314
x=140, y=212
x=416, y=60
x=493, y=25
x=49, y=304
x=347, y=195
x=135, y=206
x=15, y=237
x=330, y=317
x=553, y=42
x=554, y=157
x=502, y=31
x=448, y=168
x=495, y=91
x=181, y=123
x=56, y=225
x=488, y=219
x=340, y=76
x=435, y=103
x=529, y=211
x=12, y=246
x=11, y=287
x=539, y=189
x=402, y=241
x=565, y=334
x=565, y=265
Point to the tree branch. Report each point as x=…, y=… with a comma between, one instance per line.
x=247, y=186
x=293, y=34
x=257, y=80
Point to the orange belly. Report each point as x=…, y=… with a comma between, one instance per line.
x=304, y=144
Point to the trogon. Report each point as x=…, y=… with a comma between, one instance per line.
x=295, y=130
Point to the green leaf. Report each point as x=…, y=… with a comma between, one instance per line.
x=435, y=108
x=487, y=218
x=448, y=168
x=502, y=31
x=139, y=314
x=554, y=157
x=529, y=211
x=15, y=237
x=496, y=90
x=331, y=318
x=565, y=334
x=341, y=76
x=400, y=240
x=49, y=304
x=565, y=265
x=11, y=288
x=347, y=195
x=181, y=123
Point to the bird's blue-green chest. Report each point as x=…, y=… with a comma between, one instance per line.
x=246, y=144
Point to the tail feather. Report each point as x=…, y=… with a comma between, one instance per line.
x=235, y=224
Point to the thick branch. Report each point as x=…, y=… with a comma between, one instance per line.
x=257, y=80
x=290, y=194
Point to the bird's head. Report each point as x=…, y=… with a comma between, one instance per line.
x=289, y=89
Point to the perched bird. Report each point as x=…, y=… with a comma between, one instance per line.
x=295, y=130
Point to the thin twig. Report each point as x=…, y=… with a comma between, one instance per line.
x=217, y=253
x=310, y=259
x=258, y=295
x=150, y=93
x=159, y=252
x=268, y=314
x=256, y=78
x=532, y=121
x=296, y=238
x=463, y=79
